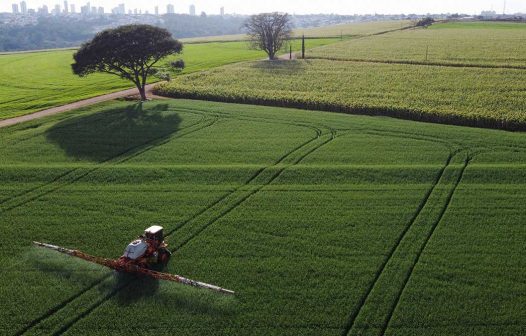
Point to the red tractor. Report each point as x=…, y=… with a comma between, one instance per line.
x=148, y=251
x=142, y=257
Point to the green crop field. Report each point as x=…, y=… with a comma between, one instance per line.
x=35, y=81
x=473, y=77
x=323, y=224
x=465, y=44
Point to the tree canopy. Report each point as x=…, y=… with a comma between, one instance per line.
x=130, y=52
x=269, y=32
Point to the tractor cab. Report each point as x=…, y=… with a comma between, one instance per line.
x=155, y=233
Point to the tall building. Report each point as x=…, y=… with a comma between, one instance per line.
x=56, y=10
x=66, y=7
x=120, y=9
x=192, y=10
x=100, y=10
x=170, y=9
x=15, y=9
x=156, y=10
x=222, y=11
x=23, y=7
x=72, y=9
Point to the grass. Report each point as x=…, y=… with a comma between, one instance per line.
x=39, y=80
x=310, y=217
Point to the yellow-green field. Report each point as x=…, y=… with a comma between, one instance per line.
x=474, y=76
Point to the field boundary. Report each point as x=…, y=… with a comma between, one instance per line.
x=378, y=111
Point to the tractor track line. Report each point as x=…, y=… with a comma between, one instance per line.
x=78, y=294
x=224, y=213
x=94, y=306
x=423, y=247
x=352, y=318
x=55, y=179
x=250, y=194
x=149, y=146
x=252, y=178
x=65, y=303
x=60, y=306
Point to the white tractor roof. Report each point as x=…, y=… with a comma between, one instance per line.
x=154, y=229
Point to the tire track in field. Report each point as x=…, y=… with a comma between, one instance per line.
x=202, y=124
x=254, y=191
x=223, y=212
x=77, y=174
x=65, y=303
x=352, y=319
x=397, y=260
x=424, y=246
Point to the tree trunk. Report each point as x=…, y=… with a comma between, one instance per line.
x=142, y=92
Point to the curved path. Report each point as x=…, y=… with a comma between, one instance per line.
x=75, y=105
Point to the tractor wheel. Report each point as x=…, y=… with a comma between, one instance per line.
x=164, y=257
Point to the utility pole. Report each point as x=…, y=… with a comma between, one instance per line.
x=427, y=53
x=303, y=46
x=290, y=57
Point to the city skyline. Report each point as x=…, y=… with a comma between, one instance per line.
x=313, y=7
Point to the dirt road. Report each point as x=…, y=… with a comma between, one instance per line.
x=73, y=106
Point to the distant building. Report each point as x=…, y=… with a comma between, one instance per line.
x=170, y=9
x=156, y=10
x=192, y=10
x=66, y=7
x=44, y=10
x=93, y=10
x=23, y=7
x=119, y=10
x=100, y=10
x=488, y=14
x=15, y=9
x=135, y=12
x=222, y=11
x=56, y=10
x=72, y=9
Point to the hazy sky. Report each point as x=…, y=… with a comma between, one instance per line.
x=301, y=6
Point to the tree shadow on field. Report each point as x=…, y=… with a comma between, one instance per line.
x=292, y=66
x=101, y=136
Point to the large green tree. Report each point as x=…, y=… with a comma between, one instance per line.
x=130, y=52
